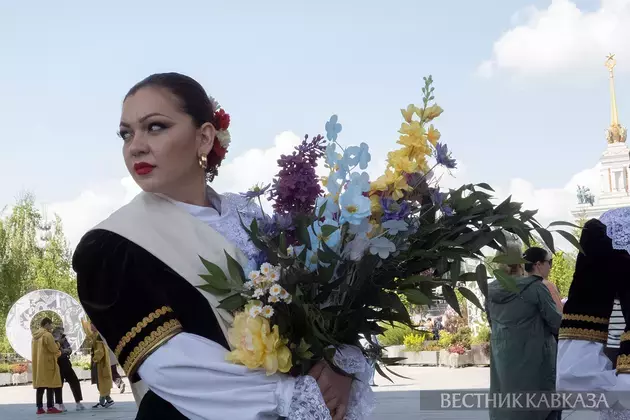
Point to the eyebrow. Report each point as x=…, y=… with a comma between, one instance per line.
x=146, y=117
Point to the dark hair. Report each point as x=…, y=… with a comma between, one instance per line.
x=194, y=101
x=45, y=321
x=534, y=255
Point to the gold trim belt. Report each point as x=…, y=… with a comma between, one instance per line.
x=139, y=327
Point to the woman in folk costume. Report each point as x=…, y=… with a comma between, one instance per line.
x=601, y=274
x=138, y=270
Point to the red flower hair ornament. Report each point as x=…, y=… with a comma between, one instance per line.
x=221, y=123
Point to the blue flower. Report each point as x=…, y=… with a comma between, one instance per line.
x=332, y=157
x=443, y=156
x=362, y=228
x=357, y=155
x=438, y=200
x=317, y=234
x=310, y=260
x=331, y=208
x=360, y=181
x=392, y=210
x=354, y=206
x=255, y=191
x=395, y=226
x=335, y=182
x=382, y=246
x=333, y=128
x=355, y=250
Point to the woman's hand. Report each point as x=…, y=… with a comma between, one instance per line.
x=334, y=387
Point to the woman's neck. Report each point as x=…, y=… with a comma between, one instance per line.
x=196, y=196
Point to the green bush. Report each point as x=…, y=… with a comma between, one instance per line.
x=5, y=368
x=463, y=337
x=483, y=335
x=395, y=335
x=446, y=339
x=413, y=342
x=432, y=346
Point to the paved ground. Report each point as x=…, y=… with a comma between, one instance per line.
x=399, y=400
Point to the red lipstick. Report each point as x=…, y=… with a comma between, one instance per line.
x=143, y=168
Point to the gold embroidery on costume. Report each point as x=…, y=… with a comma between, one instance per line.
x=583, y=334
x=623, y=363
x=150, y=343
x=625, y=336
x=139, y=326
x=586, y=318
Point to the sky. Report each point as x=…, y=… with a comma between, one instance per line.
x=522, y=83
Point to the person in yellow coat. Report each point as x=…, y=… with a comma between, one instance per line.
x=101, y=370
x=46, y=374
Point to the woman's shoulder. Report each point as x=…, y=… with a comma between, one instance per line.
x=99, y=246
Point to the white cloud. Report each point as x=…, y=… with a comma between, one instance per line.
x=561, y=39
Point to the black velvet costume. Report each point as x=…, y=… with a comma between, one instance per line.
x=138, y=303
x=600, y=273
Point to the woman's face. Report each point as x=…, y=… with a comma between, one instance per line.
x=161, y=143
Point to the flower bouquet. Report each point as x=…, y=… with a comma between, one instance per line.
x=340, y=251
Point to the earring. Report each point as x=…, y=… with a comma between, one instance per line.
x=203, y=162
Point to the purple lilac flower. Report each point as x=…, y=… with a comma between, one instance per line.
x=443, y=156
x=438, y=200
x=296, y=186
x=393, y=210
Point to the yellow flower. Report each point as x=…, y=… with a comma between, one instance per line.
x=257, y=345
x=400, y=161
x=433, y=135
x=392, y=182
x=431, y=113
x=408, y=113
x=414, y=128
x=376, y=206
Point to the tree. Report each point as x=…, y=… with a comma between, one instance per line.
x=562, y=272
x=29, y=261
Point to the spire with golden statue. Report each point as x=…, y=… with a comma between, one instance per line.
x=616, y=133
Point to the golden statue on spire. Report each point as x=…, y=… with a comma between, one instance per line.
x=616, y=133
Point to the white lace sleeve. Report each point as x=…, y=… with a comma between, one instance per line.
x=362, y=400
x=308, y=402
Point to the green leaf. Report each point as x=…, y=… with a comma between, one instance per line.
x=572, y=239
x=217, y=282
x=322, y=209
x=215, y=277
x=560, y=223
x=451, y=298
x=413, y=280
x=303, y=235
x=547, y=238
x=482, y=279
x=233, y=302
x=283, y=243
x=382, y=373
x=468, y=294
x=509, y=259
x=484, y=186
x=212, y=290
x=328, y=230
x=416, y=297
x=466, y=277
x=236, y=271
x=506, y=281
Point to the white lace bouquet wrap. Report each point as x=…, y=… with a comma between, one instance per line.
x=308, y=402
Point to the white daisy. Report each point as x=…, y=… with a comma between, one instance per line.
x=267, y=311
x=249, y=285
x=258, y=293
x=284, y=294
x=274, y=299
x=265, y=269
x=254, y=311
x=275, y=290
x=253, y=275
x=274, y=275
